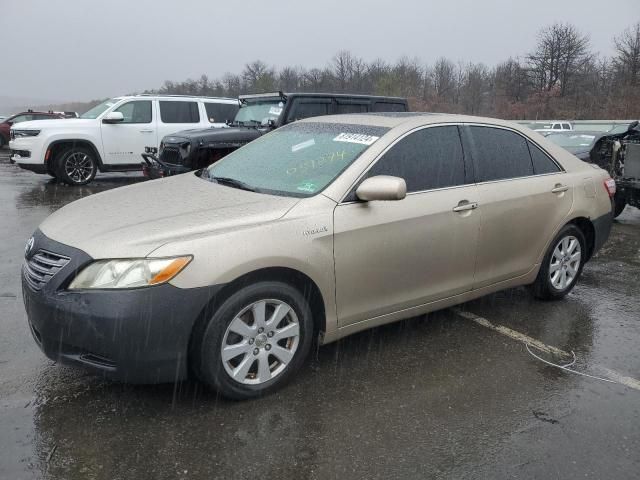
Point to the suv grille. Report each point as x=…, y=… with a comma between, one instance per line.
x=40, y=268
x=171, y=155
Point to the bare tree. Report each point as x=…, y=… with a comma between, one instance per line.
x=559, y=54
x=627, y=59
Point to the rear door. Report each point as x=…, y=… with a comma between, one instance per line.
x=123, y=142
x=177, y=115
x=523, y=197
x=399, y=254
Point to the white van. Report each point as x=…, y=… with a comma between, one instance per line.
x=112, y=135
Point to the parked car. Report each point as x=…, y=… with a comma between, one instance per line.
x=552, y=126
x=259, y=114
x=579, y=143
x=5, y=125
x=320, y=229
x=111, y=135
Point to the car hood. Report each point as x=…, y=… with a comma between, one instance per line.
x=133, y=221
x=58, y=123
x=216, y=135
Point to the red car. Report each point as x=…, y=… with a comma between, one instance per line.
x=5, y=126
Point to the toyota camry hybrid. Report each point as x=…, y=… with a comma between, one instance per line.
x=320, y=229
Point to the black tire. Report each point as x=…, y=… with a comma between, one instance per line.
x=206, y=354
x=80, y=158
x=619, y=204
x=543, y=287
x=3, y=142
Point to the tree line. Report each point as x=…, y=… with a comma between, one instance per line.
x=561, y=77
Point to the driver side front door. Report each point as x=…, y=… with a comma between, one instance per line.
x=124, y=142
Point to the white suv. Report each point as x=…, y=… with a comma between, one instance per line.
x=112, y=135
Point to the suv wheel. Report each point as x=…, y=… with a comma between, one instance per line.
x=76, y=166
x=562, y=265
x=256, y=341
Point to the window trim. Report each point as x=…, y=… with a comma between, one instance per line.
x=560, y=167
x=468, y=164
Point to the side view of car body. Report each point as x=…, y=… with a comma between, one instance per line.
x=320, y=229
x=111, y=135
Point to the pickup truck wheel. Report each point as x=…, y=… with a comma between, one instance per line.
x=256, y=340
x=76, y=166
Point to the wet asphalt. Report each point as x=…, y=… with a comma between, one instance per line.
x=432, y=397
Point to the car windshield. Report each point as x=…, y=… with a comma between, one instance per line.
x=96, y=111
x=572, y=140
x=297, y=160
x=260, y=112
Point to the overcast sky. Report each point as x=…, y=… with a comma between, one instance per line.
x=85, y=49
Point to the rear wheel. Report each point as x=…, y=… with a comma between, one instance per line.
x=76, y=166
x=256, y=340
x=562, y=264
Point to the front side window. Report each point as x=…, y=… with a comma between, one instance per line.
x=308, y=109
x=21, y=118
x=499, y=154
x=427, y=159
x=138, y=111
x=220, y=112
x=99, y=109
x=179, y=112
x=556, y=126
x=297, y=160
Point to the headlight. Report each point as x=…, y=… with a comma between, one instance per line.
x=24, y=133
x=129, y=273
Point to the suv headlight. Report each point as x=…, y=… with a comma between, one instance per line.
x=129, y=273
x=24, y=133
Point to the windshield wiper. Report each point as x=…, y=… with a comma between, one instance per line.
x=232, y=182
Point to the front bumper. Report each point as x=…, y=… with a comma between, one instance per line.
x=136, y=335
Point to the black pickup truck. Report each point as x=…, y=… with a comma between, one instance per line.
x=258, y=114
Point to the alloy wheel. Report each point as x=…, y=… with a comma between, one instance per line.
x=565, y=262
x=260, y=342
x=79, y=167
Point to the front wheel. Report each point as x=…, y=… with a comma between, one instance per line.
x=256, y=341
x=562, y=264
x=76, y=166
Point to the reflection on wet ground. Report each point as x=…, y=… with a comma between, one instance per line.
x=436, y=396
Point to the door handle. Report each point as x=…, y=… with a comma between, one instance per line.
x=465, y=205
x=559, y=188
x=146, y=131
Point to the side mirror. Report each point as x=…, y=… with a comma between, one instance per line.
x=382, y=187
x=113, y=117
x=632, y=126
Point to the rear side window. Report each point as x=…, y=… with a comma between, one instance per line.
x=220, y=112
x=499, y=154
x=308, y=109
x=179, y=112
x=566, y=126
x=541, y=162
x=352, y=108
x=389, y=107
x=427, y=159
x=138, y=111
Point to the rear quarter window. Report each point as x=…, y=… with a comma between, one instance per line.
x=220, y=112
x=541, y=162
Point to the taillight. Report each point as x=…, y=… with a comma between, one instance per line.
x=610, y=186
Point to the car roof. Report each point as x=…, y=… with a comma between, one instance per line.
x=177, y=97
x=259, y=96
x=395, y=119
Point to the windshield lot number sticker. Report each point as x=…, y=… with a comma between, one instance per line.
x=275, y=110
x=356, y=138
